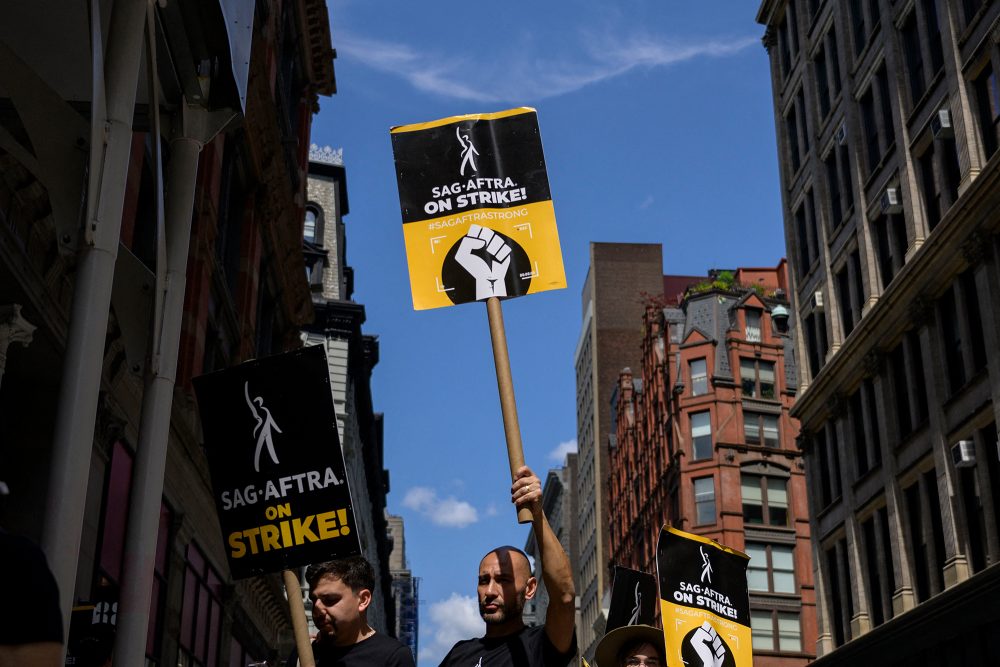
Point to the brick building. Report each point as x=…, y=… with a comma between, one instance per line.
x=887, y=122
x=704, y=442
x=612, y=303
x=115, y=292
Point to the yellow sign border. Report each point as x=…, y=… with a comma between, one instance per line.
x=415, y=127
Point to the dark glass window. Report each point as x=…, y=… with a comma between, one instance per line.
x=987, y=93
x=773, y=630
x=765, y=500
x=701, y=435
x=704, y=500
x=761, y=429
x=757, y=378
x=201, y=612
x=771, y=568
x=699, y=377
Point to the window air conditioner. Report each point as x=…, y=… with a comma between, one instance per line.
x=963, y=454
x=941, y=125
x=841, y=136
x=891, y=201
x=817, y=301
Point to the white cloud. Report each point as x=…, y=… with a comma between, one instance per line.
x=491, y=509
x=451, y=620
x=449, y=512
x=646, y=203
x=562, y=449
x=524, y=73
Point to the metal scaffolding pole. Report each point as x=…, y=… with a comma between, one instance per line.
x=77, y=407
x=198, y=127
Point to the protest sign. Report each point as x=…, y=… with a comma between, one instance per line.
x=633, y=599
x=277, y=469
x=704, y=604
x=477, y=214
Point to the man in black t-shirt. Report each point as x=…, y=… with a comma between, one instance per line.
x=505, y=583
x=341, y=591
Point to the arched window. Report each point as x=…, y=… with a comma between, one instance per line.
x=311, y=229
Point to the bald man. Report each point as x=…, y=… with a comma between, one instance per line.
x=505, y=583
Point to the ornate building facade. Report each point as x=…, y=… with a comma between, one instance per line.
x=887, y=123
x=704, y=442
x=351, y=357
x=150, y=235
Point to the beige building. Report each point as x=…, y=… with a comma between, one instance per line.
x=610, y=338
x=887, y=116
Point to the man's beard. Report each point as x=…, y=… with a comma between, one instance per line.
x=509, y=610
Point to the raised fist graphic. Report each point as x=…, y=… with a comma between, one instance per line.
x=709, y=646
x=489, y=272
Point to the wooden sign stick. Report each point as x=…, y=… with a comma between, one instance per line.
x=505, y=384
x=299, y=624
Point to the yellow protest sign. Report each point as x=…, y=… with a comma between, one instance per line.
x=704, y=604
x=478, y=220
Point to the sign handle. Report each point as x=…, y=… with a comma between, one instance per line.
x=505, y=384
x=298, y=612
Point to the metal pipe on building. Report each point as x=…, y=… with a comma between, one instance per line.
x=77, y=403
x=157, y=403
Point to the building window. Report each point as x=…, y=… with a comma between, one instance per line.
x=826, y=475
x=760, y=429
x=704, y=500
x=807, y=235
x=794, y=146
x=787, y=40
x=864, y=17
x=239, y=656
x=922, y=67
x=827, y=67
x=816, y=341
x=891, y=242
x=880, y=579
x=951, y=339
x=877, y=120
x=973, y=319
x=699, y=377
x=201, y=613
x=775, y=630
x=987, y=95
x=757, y=378
x=753, y=318
x=701, y=435
x=771, y=568
x=838, y=574
x=838, y=181
x=850, y=293
x=925, y=535
x=311, y=229
x=765, y=500
x=864, y=417
x=939, y=178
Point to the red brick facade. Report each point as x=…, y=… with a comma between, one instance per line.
x=706, y=419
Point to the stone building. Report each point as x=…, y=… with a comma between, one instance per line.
x=887, y=123
x=151, y=232
x=405, y=588
x=559, y=501
x=351, y=356
x=705, y=443
x=619, y=274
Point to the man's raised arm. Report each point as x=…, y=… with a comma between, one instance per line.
x=526, y=491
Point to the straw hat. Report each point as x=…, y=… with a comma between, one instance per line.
x=611, y=643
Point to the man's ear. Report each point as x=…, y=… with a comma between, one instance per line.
x=530, y=588
x=364, y=599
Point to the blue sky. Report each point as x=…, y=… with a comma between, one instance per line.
x=657, y=123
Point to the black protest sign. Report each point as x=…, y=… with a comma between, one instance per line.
x=478, y=219
x=704, y=604
x=633, y=599
x=277, y=469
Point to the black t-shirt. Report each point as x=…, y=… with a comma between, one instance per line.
x=529, y=647
x=30, y=612
x=376, y=651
